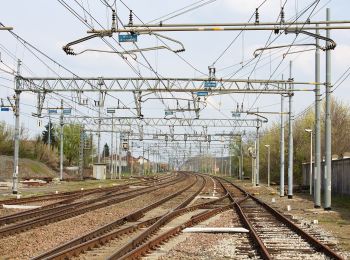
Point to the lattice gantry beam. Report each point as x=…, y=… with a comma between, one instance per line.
x=191, y=85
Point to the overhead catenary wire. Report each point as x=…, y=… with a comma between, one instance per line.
x=312, y=11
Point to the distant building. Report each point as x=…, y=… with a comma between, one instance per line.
x=142, y=160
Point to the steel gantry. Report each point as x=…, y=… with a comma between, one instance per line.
x=152, y=121
x=154, y=84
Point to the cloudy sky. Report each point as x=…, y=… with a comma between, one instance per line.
x=49, y=25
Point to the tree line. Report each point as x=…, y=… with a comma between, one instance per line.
x=340, y=113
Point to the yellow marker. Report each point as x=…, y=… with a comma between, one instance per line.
x=218, y=29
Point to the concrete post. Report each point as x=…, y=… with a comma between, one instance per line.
x=222, y=160
x=16, y=137
x=49, y=133
x=328, y=130
x=268, y=165
x=257, y=157
x=310, y=174
x=242, y=159
x=61, y=141
x=120, y=157
x=149, y=162
x=282, y=149
x=132, y=161
x=92, y=148
x=230, y=162
x=116, y=162
x=81, y=153
x=317, y=171
x=290, y=136
x=99, y=131
x=111, y=167
x=143, y=159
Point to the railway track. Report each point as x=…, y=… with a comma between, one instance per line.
x=74, y=194
x=271, y=235
x=274, y=235
x=77, y=199
x=39, y=217
x=129, y=226
x=144, y=231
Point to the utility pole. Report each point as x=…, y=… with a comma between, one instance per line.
x=310, y=171
x=61, y=141
x=317, y=171
x=328, y=128
x=282, y=149
x=120, y=156
x=257, y=156
x=253, y=164
x=149, y=162
x=290, y=137
x=49, y=133
x=229, y=151
x=92, y=149
x=214, y=169
x=154, y=170
x=222, y=159
x=241, y=159
x=116, y=162
x=143, y=159
x=132, y=160
x=111, y=167
x=99, y=130
x=268, y=164
x=16, y=151
x=81, y=153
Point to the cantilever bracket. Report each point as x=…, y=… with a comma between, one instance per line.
x=182, y=49
x=331, y=43
x=256, y=52
x=69, y=51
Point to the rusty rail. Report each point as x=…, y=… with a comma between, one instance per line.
x=313, y=241
x=254, y=235
x=92, y=239
x=156, y=226
x=77, y=210
x=99, y=236
x=66, y=195
x=154, y=243
x=261, y=247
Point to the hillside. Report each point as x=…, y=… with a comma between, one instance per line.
x=27, y=169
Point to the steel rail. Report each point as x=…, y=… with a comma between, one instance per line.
x=105, y=233
x=262, y=248
x=46, y=197
x=143, y=249
x=65, y=204
x=63, y=214
x=154, y=243
x=136, y=249
x=163, y=220
x=313, y=241
x=253, y=234
x=62, y=195
x=59, y=207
